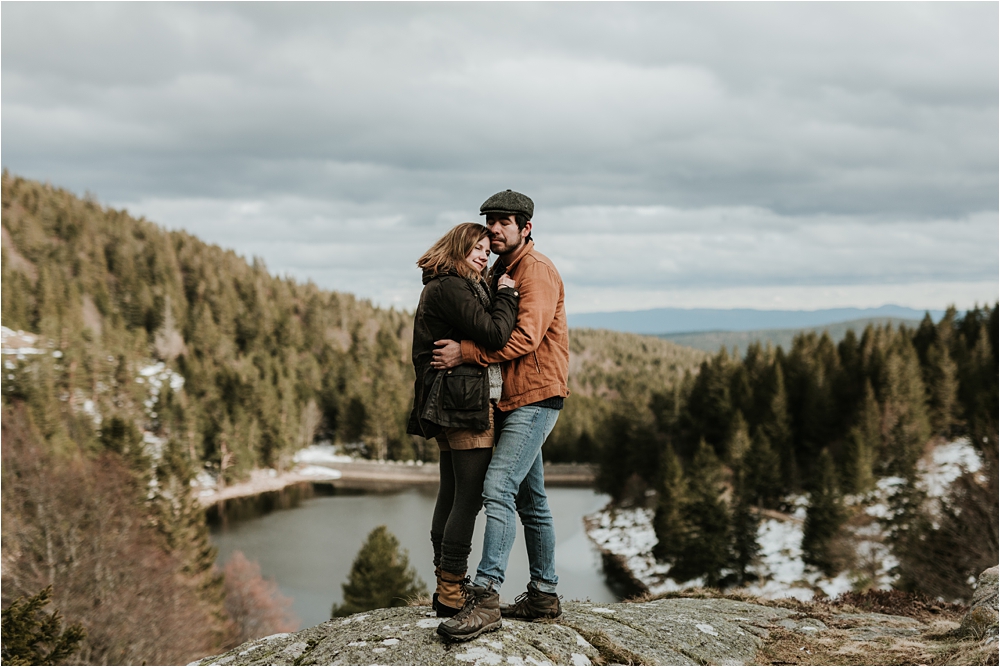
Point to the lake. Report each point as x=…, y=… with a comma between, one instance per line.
x=308, y=549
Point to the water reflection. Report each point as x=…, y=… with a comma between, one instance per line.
x=308, y=547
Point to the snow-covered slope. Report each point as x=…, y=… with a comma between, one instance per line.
x=780, y=571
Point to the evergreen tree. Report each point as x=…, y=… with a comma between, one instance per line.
x=709, y=407
x=941, y=380
x=705, y=550
x=630, y=457
x=32, y=636
x=744, y=526
x=862, y=443
x=614, y=462
x=120, y=435
x=181, y=520
x=668, y=522
x=739, y=440
x=777, y=424
x=823, y=518
x=810, y=370
x=741, y=389
x=380, y=576
x=976, y=353
x=903, y=400
x=762, y=472
x=926, y=334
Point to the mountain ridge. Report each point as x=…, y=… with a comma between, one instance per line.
x=660, y=321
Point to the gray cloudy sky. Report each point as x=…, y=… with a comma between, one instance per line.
x=695, y=155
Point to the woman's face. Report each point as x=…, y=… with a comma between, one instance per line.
x=479, y=258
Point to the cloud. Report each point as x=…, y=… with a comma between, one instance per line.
x=741, y=146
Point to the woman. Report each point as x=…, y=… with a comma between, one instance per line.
x=455, y=406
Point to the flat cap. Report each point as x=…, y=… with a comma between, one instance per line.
x=508, y=201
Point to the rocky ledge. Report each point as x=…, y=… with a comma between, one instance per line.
x=668, y=631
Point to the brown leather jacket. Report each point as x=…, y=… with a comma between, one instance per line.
x=537, y=353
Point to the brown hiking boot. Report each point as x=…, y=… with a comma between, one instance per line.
x=480, y=614
x=450, y=595
x=532, y=605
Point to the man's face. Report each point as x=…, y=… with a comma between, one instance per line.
x=505, y=237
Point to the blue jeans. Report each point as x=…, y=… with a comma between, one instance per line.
x=515, y=482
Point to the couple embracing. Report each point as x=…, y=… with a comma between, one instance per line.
x=491, y=353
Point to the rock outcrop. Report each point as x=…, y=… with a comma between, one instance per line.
x=982, y=618
x=672, y=631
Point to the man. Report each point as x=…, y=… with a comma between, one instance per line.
x=535, y=373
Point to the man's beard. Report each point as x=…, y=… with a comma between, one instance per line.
x=507, y=247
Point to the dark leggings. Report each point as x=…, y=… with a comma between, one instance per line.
x=460, y=497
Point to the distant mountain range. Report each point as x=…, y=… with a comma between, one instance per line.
x=712, y=341
x=660, y=321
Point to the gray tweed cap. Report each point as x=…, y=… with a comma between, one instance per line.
x=508, y=201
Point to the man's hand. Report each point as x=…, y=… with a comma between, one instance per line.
x=448, y=354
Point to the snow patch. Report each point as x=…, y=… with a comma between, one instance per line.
x=18, y=344
x=158, y=376
x=707, y=629
x=320, y=453
x=320, y=472
x=354, y=619
x=480, y=655
x=946, y=464
x=780, y=570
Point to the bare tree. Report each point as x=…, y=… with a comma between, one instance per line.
x=254, y=604
x=80, y=525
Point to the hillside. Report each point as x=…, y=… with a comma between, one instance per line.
x=613, y=373
x=265, y=365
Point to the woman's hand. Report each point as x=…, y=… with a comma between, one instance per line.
x=505, y=281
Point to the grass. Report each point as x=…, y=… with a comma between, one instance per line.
x=610, y=652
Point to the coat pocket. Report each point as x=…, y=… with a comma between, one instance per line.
x=465, y=388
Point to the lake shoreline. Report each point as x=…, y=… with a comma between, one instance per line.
x=306, y=537
x=372, y=476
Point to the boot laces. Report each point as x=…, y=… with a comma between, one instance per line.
x=520, y=602
x=471, y=598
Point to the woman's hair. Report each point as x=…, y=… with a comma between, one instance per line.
x=449, y=253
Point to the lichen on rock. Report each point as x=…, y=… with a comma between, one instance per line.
x=982, y=617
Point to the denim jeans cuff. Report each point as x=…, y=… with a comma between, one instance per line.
x=486, y=582
x=544, y=587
